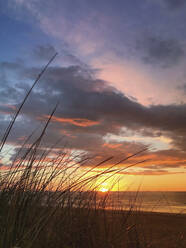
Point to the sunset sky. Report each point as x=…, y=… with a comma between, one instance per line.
x=120, y=77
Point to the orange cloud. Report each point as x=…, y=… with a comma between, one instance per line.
x=112, y=146
x=64, y=132
x=10, y=106
x=151, y=172
x=4, y=112
x=4, y=167
x=81, y=122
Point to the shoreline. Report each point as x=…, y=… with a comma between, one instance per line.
x=149, y=212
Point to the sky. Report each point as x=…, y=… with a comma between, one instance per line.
x=119, y=77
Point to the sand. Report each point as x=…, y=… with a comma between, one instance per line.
x=161, y=230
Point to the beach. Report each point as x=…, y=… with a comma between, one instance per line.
x=109, y=228
x=161, y=229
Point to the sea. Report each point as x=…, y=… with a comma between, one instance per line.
x=162, y=202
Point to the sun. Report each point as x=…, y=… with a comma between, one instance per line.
x=103, y=189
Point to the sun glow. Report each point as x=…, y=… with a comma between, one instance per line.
x=103, y=189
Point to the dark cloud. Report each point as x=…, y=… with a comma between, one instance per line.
x=84, y=97
x=46, y=52
x=163, y=52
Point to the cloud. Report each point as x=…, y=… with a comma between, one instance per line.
x=112, y=145
x=74, y=121
x=160, y=51
x=150, y=173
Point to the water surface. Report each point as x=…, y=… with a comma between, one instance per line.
x=165, y=202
